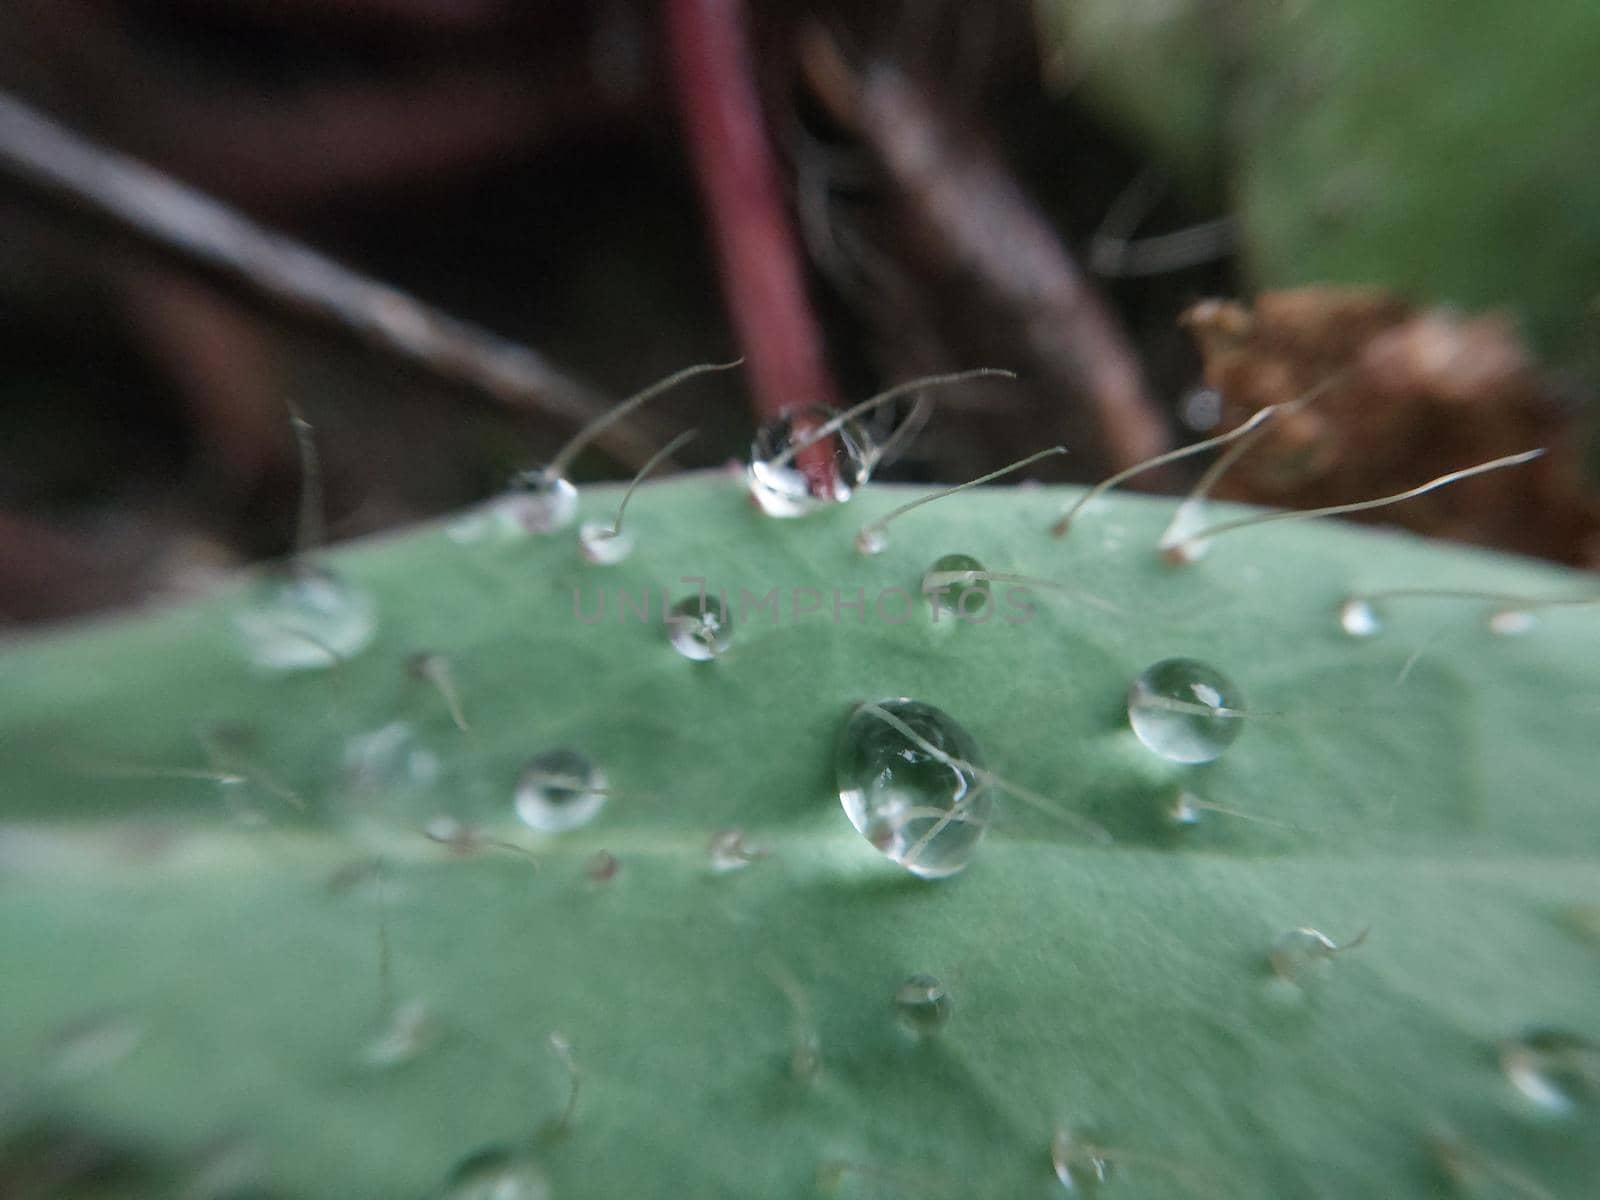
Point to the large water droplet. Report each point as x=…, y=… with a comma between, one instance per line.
x=496, y=1174
x=540, y=502
x=922, y=1004
x=1359, y=619
x=700, y=628
x=955, y=587
x=1080, y=1166
x=305, y=619
x=1185, y=710
x=1558, y=1071
x=777, y=478
x=909, y=780
x=560, y=790
x=601, y=544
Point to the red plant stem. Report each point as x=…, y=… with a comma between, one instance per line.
x=757, y=250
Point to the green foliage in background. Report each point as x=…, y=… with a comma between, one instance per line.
x=197, y=975
x=1445, y=151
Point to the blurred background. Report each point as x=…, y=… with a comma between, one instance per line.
x=848, y=195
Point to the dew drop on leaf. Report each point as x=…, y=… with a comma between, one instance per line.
x=407, y=1034
x=600, y=544
x=1185, y=710
x=955, y=586
x=1359, y=619
x=540, y=502
x=1511, y=622
x=560, y=790
x=1080, y=1166
x=305, y=619
x=1298, y=953
x=728, y=851
x=912, y=784
x=602, y=867
x=388, y=759
x=700, y=628
x=923, y=1004
x=1184, y=810
x=777, y=477
x=496, y=1174
x=1556, y=1070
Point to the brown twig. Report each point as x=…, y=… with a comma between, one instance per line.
x=756, y=245
x=183, y=222
x=975, y=220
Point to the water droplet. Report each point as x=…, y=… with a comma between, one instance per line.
x=1511, y=622
x=922, y=1004
x=955, y=585
x=407, y=1035
x=1359, y=619
x=1178, y=544
x=728, y=851
x=1185, y=710
x=389, y=758
x=560, y=790
x=540, y=502
x=305, y=619
x=496, y=1174
x=908, y=778
x=871, y=540
x=777, y=477
x=1080, y=1166
x=700, y=628
x=1556, y=1070
x=1184, y=811
x=599, y=544
x=1299, y=952
x=451, y=832
x=1201, y=409
x=602, y=867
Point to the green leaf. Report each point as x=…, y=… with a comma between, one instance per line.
x=196, y=970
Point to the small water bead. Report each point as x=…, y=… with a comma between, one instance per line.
x=305, y=619
x=388, y=759
x=409, y=1032
x=1359, y=619
x=919, y=800
x=700, y=628
x=1556, y=1070
x=1299, y=952
x=601, y=544
x=496, y=1174
x=560, y=790
x=1512, y=622
x=955, y=584
x=1185, y=710
x=728, y=851
x=776, y=476
x=1185, y=810
x=540, y=502
x=1201, y=409
x=1080, y=1166
x=922, y=1004
x=602, y=867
